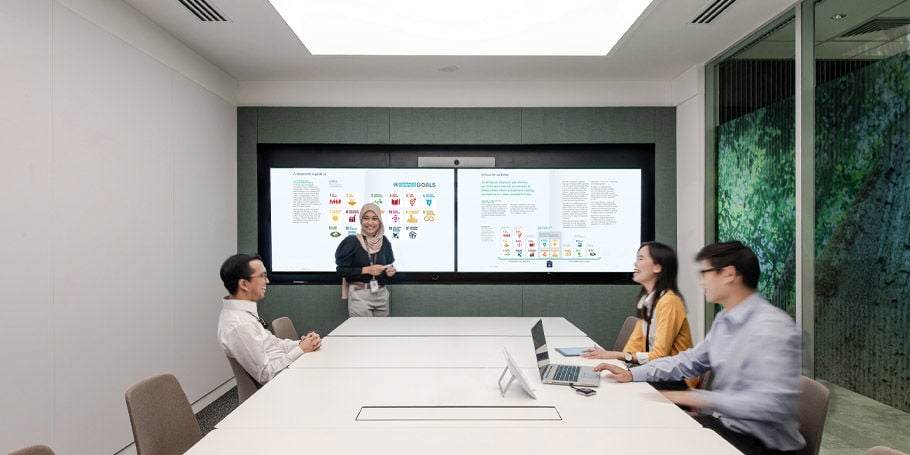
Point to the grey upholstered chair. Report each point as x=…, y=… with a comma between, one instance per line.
x=284, y=328
x=246, y=385
x=882, y=450
x=707, y=380
x=161, y=416
x=813, y=410
x=627, y=327
x=37, y=449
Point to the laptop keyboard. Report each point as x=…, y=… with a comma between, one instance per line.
x=567, y=373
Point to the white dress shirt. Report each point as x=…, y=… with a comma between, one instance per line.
x=648, y=330
x=243, y=338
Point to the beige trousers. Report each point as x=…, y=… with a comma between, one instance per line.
x=363, y=303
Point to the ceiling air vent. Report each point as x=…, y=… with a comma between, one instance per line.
x=879, y=24
x=204, y=11
x=712, y=11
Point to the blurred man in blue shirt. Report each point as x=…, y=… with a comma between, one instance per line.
x=753, y=349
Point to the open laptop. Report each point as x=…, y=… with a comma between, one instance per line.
x=559, y=374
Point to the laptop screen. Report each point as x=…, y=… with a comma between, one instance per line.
x=540, y=345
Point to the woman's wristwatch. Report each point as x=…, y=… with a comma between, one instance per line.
x=628, y=357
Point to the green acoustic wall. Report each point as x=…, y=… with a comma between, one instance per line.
x=597, y=309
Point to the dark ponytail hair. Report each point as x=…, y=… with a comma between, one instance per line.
x=664, y=256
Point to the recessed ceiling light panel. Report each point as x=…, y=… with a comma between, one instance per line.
x=460, y=27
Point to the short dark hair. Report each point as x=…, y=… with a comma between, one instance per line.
x=734, y=253
x=235, y=268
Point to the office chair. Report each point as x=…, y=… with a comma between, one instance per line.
x=284, y=328
x=813, y=410
x=707, y=380
x=161, y=416
x=37, y=449
x=882, y=450
x=246, y=385
x=627, y=327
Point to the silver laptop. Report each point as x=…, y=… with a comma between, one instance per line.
x=551, y=373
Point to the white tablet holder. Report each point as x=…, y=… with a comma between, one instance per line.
x=515, y=373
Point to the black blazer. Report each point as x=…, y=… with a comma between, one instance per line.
x=351, y=258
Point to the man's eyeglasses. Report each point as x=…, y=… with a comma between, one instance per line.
x=264, y=275
x=712, y=269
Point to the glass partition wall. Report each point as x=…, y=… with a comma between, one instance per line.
x=861, y=188
x=862, y=206
x=755, y=139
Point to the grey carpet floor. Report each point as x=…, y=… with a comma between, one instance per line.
x=209, y=416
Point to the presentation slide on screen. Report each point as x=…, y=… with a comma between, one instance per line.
x=312, y=210
x=548, y=220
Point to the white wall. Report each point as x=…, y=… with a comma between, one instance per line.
x=689, y=97
x=26, y=230
x=455, y=94
x=119, y=202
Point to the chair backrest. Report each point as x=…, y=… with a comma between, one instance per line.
x=627, y=327
x=707, y=380
x=37, y=449
x=161, y=416
x=882, y=450
x=246, y=385
x=284, y=328
x=813, y=410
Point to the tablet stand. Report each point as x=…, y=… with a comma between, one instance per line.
x=502, y=390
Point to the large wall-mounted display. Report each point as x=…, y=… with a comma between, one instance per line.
x=553, y=213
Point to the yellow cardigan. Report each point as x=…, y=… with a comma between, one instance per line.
x=673, y=335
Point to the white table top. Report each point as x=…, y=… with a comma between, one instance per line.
x=462, y=326
x=332, y=398
x=430, y=366
x=435, y=352
x=455, y=441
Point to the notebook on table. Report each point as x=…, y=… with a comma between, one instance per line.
x=572, y=352
x=551, y=373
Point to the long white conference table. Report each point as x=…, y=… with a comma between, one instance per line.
x=408, y=385
x=466, y=326
x=433, y=352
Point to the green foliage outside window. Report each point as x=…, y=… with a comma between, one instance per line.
x=862, y=282
x=756, y=189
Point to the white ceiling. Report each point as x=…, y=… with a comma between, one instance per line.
x=256, y=45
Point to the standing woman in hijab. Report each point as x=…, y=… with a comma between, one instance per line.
x=364, y=263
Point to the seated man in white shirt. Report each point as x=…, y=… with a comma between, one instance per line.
x=242, y=333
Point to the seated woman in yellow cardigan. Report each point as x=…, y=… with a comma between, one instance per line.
x=662, y=328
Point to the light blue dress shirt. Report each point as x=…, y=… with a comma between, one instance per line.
x=755, y=352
